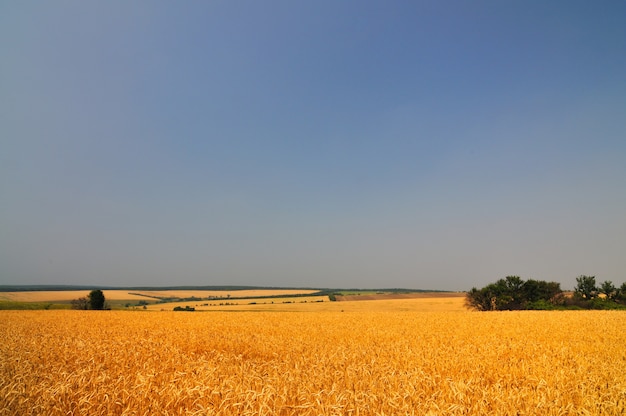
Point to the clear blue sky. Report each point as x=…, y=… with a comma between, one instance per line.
x=418, y=144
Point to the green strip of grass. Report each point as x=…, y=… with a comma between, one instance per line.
x=23, y=306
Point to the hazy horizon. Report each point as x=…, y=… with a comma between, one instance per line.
x=423, y=145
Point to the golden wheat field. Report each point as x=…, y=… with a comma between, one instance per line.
x=317, y=362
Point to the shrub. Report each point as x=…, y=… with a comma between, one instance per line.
x=185, y=309
x=80, y=304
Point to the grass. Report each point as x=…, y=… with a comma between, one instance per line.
x=13, y=305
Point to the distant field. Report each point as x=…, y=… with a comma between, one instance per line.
x=135, y=295
x=388, y=303
x=64, y=296
x=239, y=304
x=412, y=295
x=248, y=299
x=371, y=357
x=242, y=300
x=225, y=293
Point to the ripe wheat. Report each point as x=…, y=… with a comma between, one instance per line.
x=312, y=363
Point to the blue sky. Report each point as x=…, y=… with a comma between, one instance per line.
x=429, y=145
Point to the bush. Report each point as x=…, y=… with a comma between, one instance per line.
x=80, y=304
x=541, y=305
x=185, y=309
x=604, y=304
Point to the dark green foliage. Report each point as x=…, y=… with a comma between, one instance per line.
x=620, y=296
x=480, y=299
x=608, y=290
x=513, y=293
x=541, y=305
x=598, y=303
x=614, y=297
x=586, y=287
x=537, y=290
x=96, y=300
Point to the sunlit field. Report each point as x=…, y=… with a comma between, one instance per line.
x=333, y=358
x=68, y=295
x=422, y=302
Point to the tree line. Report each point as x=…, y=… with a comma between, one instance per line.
x=513, y=293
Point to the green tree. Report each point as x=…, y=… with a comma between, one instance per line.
x=513, y=283
x=494, y=296
x=536, y=290
x=620, y=296
x=479, y=299
x=586, y=287
x=514, y=286
x=608, y=289
x=96, y=300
